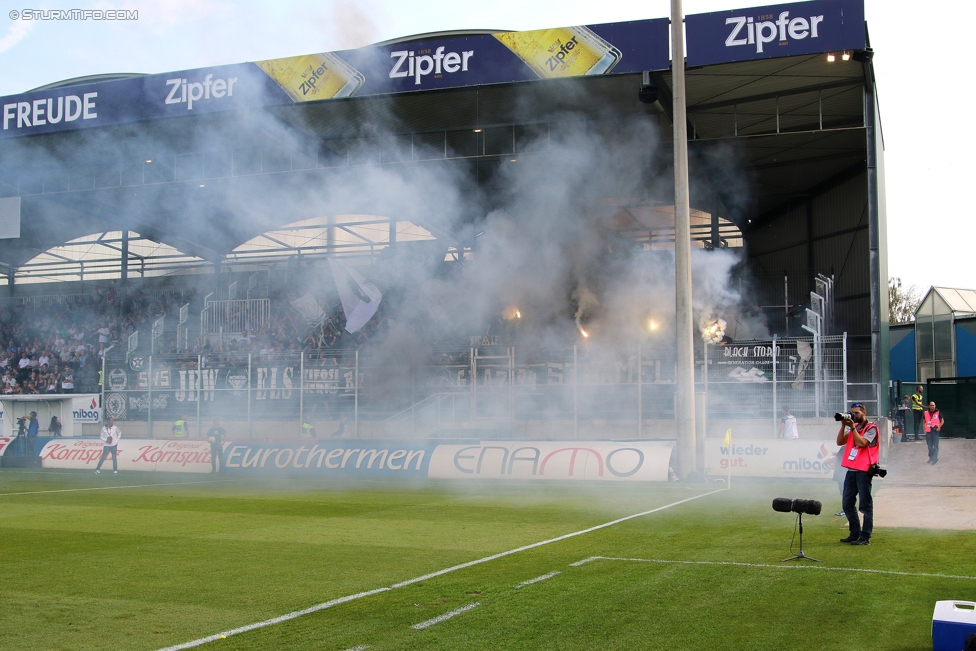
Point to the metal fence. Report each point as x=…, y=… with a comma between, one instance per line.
x=233, y=317
x=489, y=386
x=808, y=375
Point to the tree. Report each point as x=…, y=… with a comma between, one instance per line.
x=902, y=301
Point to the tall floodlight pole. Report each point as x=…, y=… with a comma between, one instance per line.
x=685, y=388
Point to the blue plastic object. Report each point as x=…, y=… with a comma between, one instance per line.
x=952, y=621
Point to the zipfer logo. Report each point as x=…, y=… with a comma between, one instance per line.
x=418, y=64
x=762, y=29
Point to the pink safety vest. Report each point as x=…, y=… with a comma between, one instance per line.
x=932, y=419
x=856, y=458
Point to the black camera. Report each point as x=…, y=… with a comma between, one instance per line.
x=877, y=471
x=843, y=415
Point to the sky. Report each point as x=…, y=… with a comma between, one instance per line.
x=919, y=61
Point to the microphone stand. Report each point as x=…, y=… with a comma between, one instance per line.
x=800, y=555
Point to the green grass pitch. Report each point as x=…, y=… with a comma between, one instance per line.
x=187, y=557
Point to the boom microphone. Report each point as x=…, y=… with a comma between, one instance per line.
x=785, y=505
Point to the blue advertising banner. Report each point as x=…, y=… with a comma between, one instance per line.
x=332, y=457
x=775, y=31
x=419, y=65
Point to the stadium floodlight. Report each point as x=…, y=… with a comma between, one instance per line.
x=810, y=507
x=831, y=58
x=846, y=56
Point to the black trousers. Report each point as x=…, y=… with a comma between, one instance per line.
x=932, y=439
x=216, y=454
x=917, y=414
x=857, y=484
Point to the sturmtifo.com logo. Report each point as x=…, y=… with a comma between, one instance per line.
x=74, y=14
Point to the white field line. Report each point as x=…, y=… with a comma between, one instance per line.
x=537, y=579
x=109, y=488
x=454, y=568
x=440, y=618
x=778, y=567
x=361, y=647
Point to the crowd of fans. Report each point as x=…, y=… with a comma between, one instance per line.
x=57, y=346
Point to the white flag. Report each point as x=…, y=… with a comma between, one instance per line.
x=309, y=308
x=360, y=299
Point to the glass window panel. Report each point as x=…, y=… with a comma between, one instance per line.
x=939, y=306
x=923, y=338
x=943, y=337
x=945, y=369
x=925, y=309
x=925, y=372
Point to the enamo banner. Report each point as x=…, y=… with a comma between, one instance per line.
x=522, y=460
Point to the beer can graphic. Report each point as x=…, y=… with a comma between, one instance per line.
x=314, y=76
x=562, y=51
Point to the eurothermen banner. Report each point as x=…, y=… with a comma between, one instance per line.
x=438, y=63
x=332, y=457
x=450, y=62
x=775, y=31
x=520, y=460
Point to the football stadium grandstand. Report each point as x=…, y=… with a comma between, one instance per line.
x=439, y=236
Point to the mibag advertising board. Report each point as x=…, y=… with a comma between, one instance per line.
x=770, y=458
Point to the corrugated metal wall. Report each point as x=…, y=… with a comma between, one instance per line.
x=836, y=241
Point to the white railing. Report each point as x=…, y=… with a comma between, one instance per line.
x=234, y=317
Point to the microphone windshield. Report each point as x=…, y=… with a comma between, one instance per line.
x=782, y=504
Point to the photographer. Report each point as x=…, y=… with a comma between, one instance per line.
x=860, y=438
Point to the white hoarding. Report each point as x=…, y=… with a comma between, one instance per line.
x=770, y=458
x=134, y=454
x=559, y=460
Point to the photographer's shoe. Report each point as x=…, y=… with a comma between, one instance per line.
x=839, y=514
x=849, y=539
x=98, y=472
x=861, y=541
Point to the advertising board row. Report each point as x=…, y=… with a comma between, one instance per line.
x=447, y=62
x=520, y=460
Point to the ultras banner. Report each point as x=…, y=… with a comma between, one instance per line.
x=560, y=460
x=450, y=62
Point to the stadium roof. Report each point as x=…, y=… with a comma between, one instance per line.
x=795, y=124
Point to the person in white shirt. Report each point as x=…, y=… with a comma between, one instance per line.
x=110, y=441
x=103, y=334
x=787, y=425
